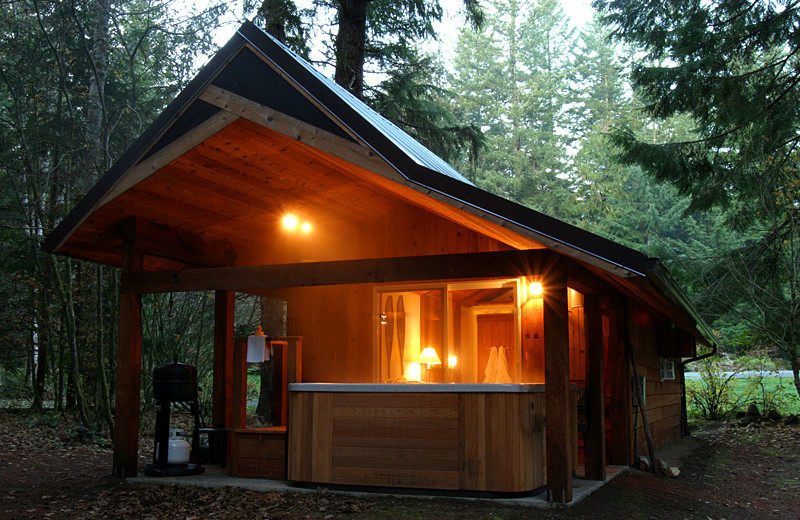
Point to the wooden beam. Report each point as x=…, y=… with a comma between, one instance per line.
x=594, y=444
x=374, y=270
x=223, y=359
x=163, y=241
x=299, y=130
x=172, y=151
x=129, y=364
x=557, y=396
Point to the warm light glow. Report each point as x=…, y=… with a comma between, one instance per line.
x=306, y=227
x=383, y=318
x=536, y=289
x=452, y=361
x=414, y=372
x=290, y=221
x=429, y=357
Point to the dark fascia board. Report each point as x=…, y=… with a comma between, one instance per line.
x=141, y=147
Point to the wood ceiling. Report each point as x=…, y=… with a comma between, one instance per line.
x=221, y=203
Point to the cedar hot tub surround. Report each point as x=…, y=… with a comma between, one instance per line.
x=457, y=437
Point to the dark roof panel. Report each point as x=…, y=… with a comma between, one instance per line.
x=197, y=112
x=247, y=76
x=365, y=122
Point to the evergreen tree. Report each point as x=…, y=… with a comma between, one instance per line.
x=731, y=66
x=511, y=79
x=79, y=81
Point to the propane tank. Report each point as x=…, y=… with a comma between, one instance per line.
x=178, y=447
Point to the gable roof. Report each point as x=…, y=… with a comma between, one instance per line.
x=258, y=68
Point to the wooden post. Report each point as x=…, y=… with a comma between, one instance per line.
x=222, y=411
x=594, y=445
x=287, y=367
x=557, y=397
x=637, y=387
x=532, y=340
x=619, y=381
x=239, y=394
x=129, y=363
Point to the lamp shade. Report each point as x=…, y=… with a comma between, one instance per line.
x=429, y=357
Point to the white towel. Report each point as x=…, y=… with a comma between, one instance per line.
x=502, y=367
x=490, y=374
x=257, y=349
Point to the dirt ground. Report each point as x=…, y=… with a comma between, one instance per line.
x=48, y=471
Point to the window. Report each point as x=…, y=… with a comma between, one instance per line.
x=473, y=327
x=667, y=370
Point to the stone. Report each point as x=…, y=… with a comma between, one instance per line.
x=752, y=411
x=773, y=415
x=672, y=472
x=790, y=420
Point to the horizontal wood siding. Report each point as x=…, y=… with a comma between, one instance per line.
x=662, y=398
x=375, y=440
x=259, y=453
x=503, y=441
x=479, y=442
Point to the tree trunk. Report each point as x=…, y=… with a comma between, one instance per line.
x=95, y=115
x=273, y=320
x=274, y=13
x=68, y=306
x=350, y=43
x=104, y=403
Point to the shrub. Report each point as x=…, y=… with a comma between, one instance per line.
x=713, y=397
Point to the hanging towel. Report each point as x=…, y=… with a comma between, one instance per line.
x=491, y=367
x=502, y=375
x=256, y=349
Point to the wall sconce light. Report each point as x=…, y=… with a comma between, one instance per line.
x=531, y=289
x=290, y=222
x=452, y=361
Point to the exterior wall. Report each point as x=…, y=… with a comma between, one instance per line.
x=337, y=323
x=662, y=398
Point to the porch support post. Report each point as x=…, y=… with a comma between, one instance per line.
x=129, y=363
x=619, y=379
x=595, y=440
x=557, y=395
x=223, y=359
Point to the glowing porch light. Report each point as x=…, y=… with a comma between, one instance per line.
x=536, y=289
x=306, y=227
x=290, y=222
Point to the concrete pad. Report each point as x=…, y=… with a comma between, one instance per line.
x=216, y=477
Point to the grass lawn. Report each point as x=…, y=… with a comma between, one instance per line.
x=779, y=390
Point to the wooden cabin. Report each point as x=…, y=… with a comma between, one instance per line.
x=440, y=337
